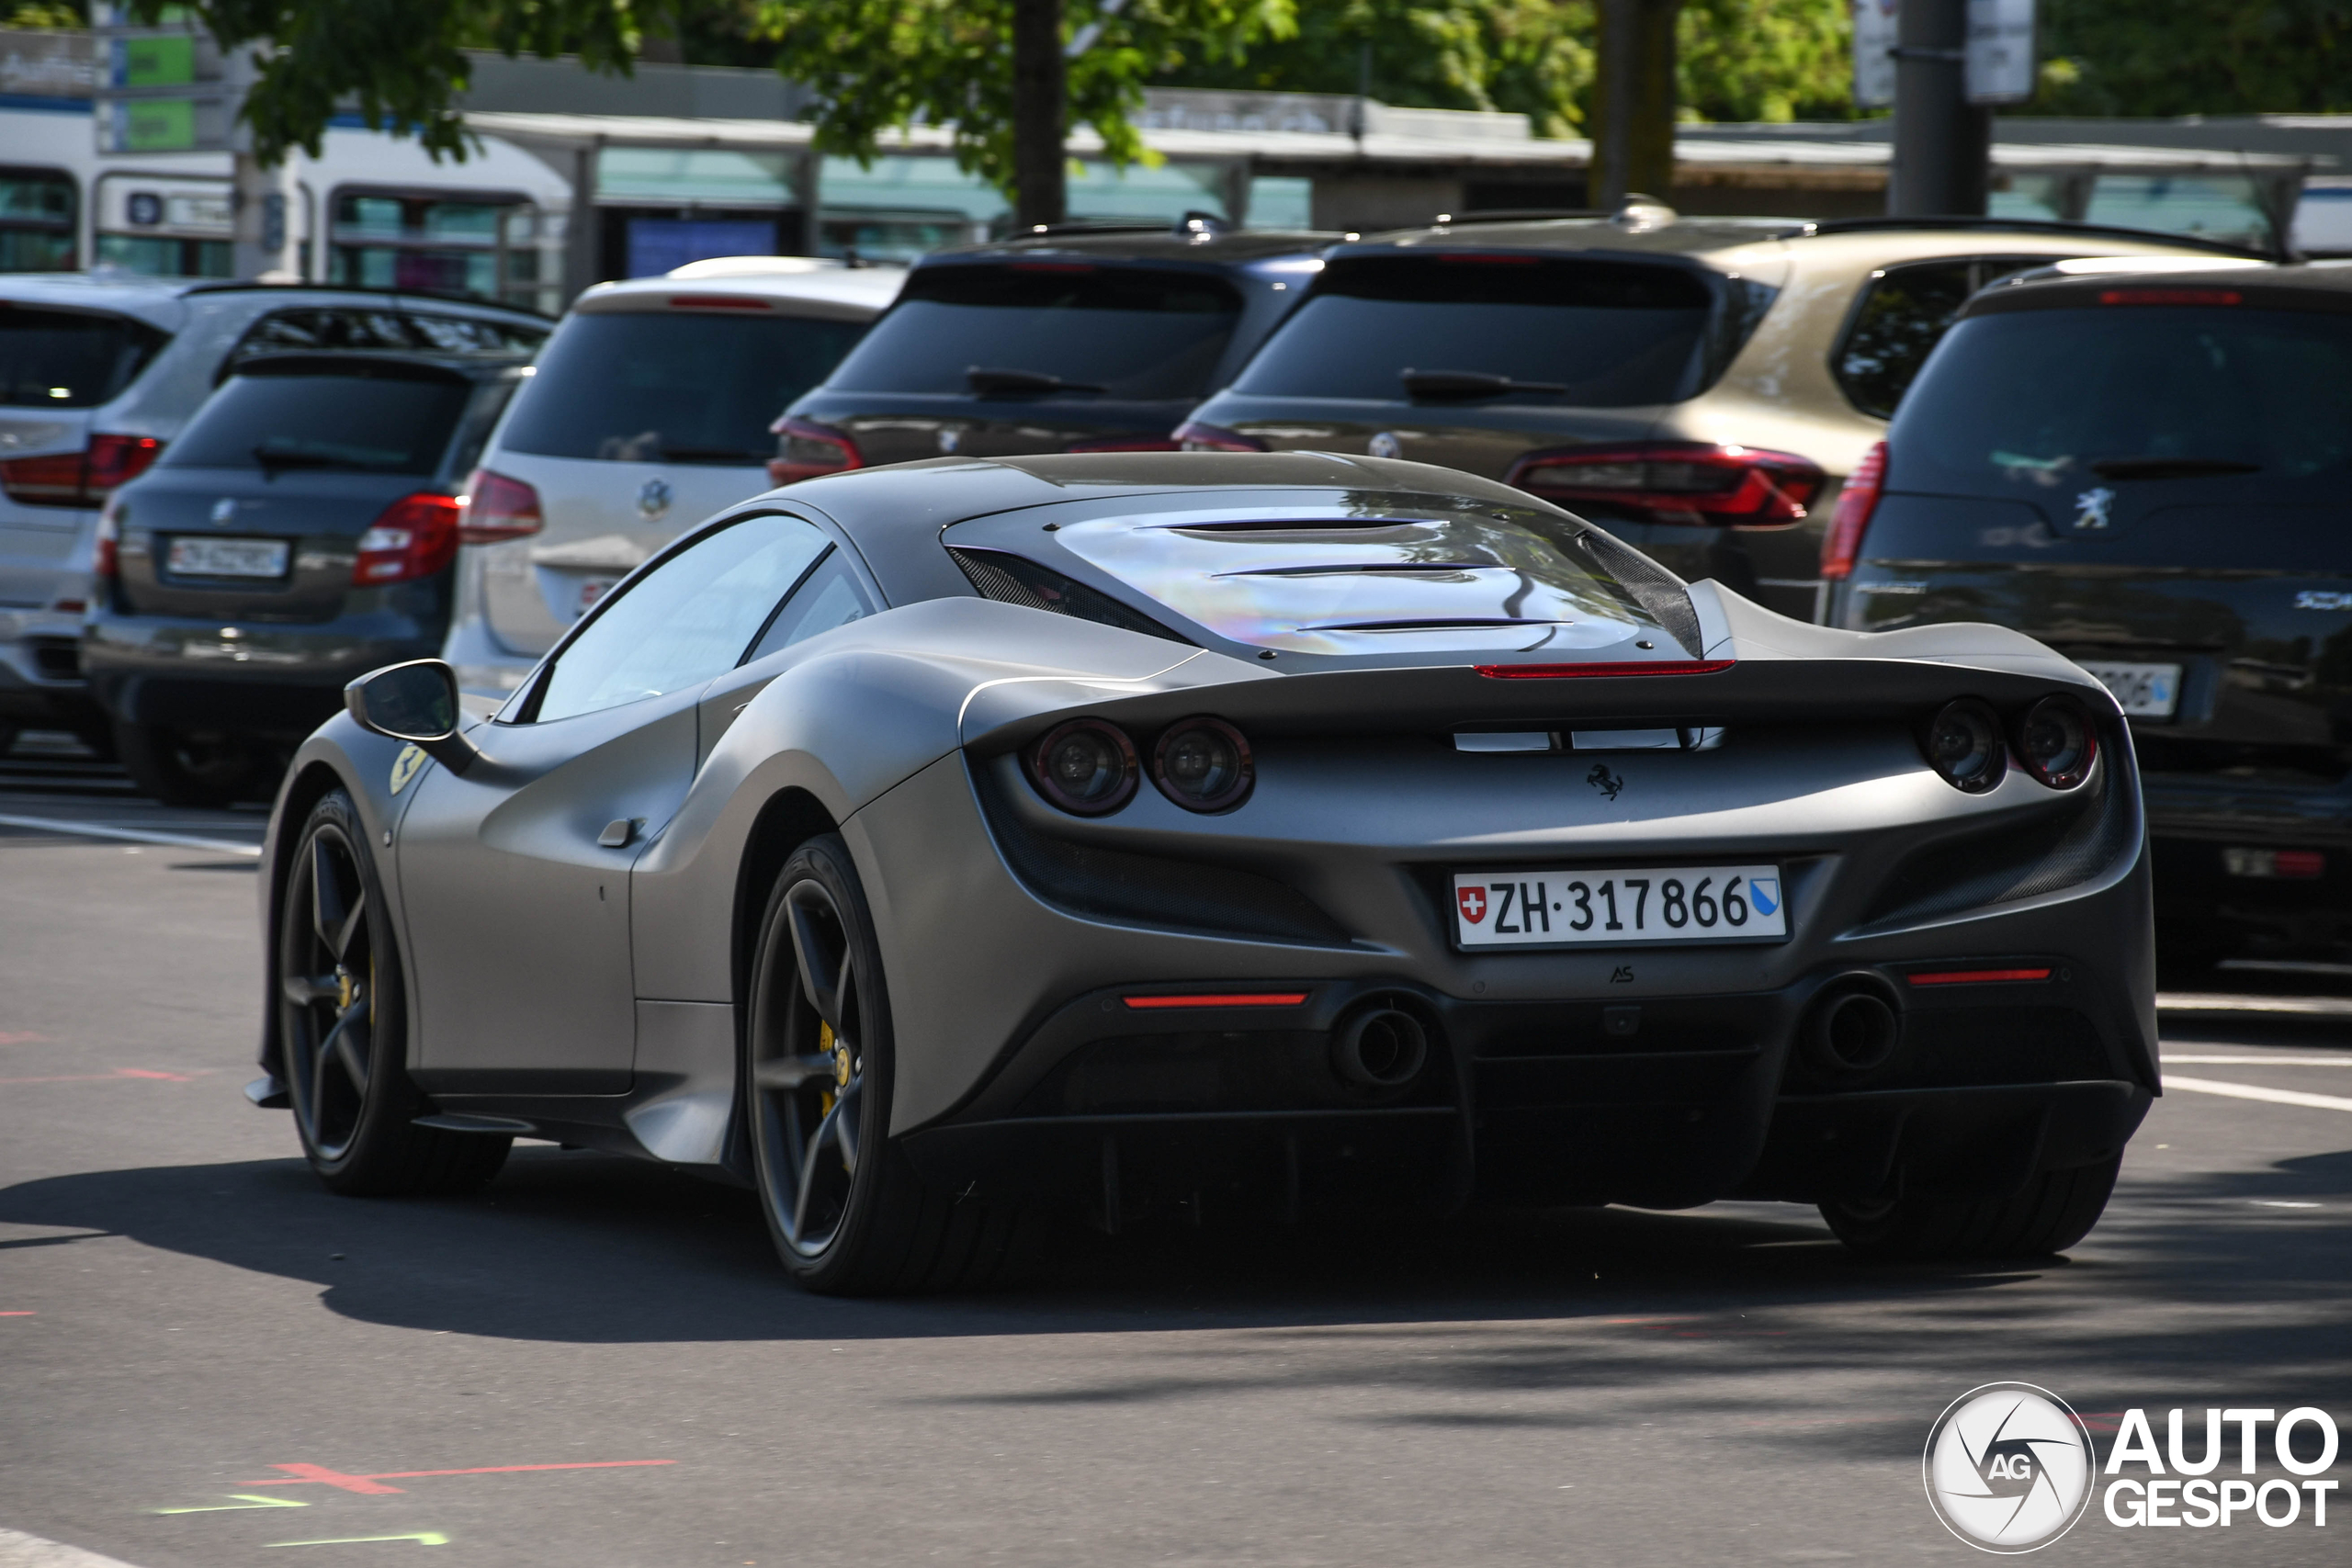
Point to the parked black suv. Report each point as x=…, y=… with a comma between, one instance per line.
x=1077, y=341
x=2150, y=472
x=299, y=532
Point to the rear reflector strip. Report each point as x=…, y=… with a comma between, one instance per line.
x=1977, y=976
x=1222, y=999
x=2171, y=297
x=1568, y=671
x=718, y=302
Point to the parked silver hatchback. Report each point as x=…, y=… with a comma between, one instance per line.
x=648, y=412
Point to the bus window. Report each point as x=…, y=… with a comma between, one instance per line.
x=477, y=243
x=37, y=211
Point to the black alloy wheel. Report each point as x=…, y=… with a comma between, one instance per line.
x=341, y=1027
x=847, y=1211
x=810, y=1075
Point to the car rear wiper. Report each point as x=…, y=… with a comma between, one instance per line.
x=985, y=380
x=1468, y=384
x=2169, y=467
x=274, y=456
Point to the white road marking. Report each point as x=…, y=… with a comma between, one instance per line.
x=133, y=836
x=2345, y=1061
x=2252, y=1092
x=20, y=1551
x=2188, y=1002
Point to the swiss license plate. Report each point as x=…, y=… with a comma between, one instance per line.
x=2144, y=691
x=207, y=556
x=1605, y=909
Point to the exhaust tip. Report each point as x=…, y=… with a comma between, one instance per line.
x=1852, y=1027
x=1381, y=1047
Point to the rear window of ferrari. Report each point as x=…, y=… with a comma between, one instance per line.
x=1345, y=581
x=1591, y=334
x=1056, y=329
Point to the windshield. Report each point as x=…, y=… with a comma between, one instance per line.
x=1376, y=580
x=2031, y=401
x=669, y=387
x=1119, y=332
x=70, y=359
x=371, y=424
x=1599, y=334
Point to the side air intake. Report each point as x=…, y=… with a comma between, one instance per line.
x=1014, y=580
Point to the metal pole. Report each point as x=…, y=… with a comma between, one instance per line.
x=1943, y=143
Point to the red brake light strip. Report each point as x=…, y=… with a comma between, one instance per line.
x=1977, y=976
x=1568, y=671
x=1220, y=1000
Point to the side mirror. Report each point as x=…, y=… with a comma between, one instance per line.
x=416, y=701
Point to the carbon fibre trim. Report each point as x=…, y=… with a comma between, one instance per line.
x=2007, y=863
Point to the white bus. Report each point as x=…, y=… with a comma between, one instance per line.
x=374, y=211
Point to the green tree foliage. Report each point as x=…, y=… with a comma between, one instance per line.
x=1773, y=60
x=1531, y=57
x=1769, y=60
x=2169, y=57
x=885, y=63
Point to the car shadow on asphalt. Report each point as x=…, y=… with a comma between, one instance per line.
x=574, y=1246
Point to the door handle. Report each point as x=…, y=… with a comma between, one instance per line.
x=619, y=831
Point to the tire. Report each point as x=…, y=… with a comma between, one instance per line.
x=2054, y=1211
x=341, y=1028
x=188, y=768
x=846, y=1208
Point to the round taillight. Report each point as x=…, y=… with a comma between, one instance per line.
x=2056, y=742
x=1203, y=764
x=1963, y=744
x=1085, y=766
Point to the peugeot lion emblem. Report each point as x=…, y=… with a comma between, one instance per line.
x=654, y=499
x=2091, y=510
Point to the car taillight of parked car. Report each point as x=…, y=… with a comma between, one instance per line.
x=1841, y=545
x=806, y=449
x=1193, y=436
x=79, y=479
x=108, y=539
x=495, y=508
x=415, y=537
x=1692, y=483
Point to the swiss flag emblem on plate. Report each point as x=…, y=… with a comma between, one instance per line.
x=1474, y=903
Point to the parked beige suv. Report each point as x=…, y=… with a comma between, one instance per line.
x=1700, y=387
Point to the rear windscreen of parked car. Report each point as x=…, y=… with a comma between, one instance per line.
x=366, y=326
x=671, y=387
x=71, y=359
x=1120, y=332
x=367, y=423
x=1611, y=334
x=2027, y=402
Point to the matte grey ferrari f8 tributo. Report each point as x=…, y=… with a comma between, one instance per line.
x=935, y=846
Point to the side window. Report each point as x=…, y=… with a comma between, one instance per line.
x=689, y=619
x=1902, y=316
x=830, y=597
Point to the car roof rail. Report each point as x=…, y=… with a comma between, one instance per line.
x=2049, y=226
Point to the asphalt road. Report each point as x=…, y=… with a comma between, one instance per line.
x=205, y=1359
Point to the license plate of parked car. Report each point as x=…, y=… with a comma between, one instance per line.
x=2145, y=690
x=1596, y=909
x=228, y=558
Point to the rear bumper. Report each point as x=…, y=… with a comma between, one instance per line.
x=257, y=679
x=2216, y=847
x=1669, y=1103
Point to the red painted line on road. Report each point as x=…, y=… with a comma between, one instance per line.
x=19, y=1314
x=314, y=1474
x=117, y=1074
x=20, y=1037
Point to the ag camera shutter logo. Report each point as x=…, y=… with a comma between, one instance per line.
x=2008, y=1467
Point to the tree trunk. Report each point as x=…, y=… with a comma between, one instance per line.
x=1633, y=101
x=1040, y=99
